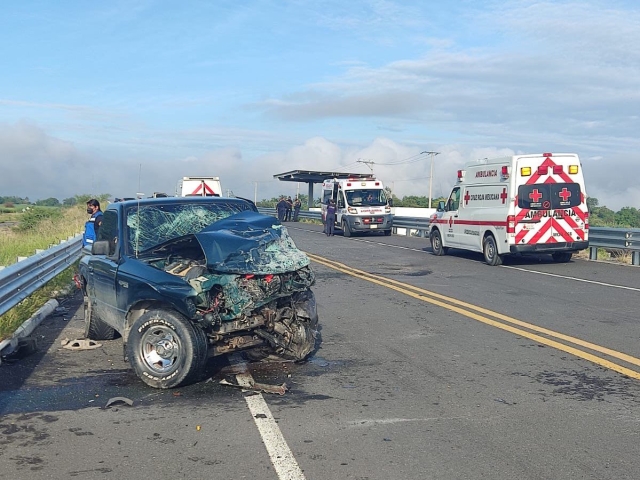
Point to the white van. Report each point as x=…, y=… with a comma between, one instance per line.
x=362, y=204
x=523, y=204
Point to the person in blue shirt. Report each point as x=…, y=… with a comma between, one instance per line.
x=92, y=227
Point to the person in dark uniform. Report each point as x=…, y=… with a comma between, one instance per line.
x=281, y=208
x=92, y=227
x=330, y=218
x=296, y=209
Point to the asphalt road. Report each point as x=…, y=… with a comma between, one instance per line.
x=427, y=368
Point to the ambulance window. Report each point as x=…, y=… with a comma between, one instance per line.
x=454, y=200
x=565, y=195
x=341, y=199
x=549, y=196
x=326, y=195
x=534, y=197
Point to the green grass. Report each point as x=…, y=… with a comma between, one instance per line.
x=11, y=320
x=38, y=230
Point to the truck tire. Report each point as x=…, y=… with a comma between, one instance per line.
x=436, y=244
x=165, y=350
x=346, y=231
x=94, y=328
x=561, y=257
x=387, y=233
x=490, y=251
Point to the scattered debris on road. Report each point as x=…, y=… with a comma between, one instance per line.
x=82, y=344
x=119, y=401
x=246, y=382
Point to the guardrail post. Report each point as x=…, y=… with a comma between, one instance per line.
x=593, y=253
x=635, y=258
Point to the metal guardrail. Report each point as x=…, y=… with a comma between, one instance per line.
x=21, y=279
x=627, y=239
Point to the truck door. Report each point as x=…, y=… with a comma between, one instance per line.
x=451, y=233
x=102, y=272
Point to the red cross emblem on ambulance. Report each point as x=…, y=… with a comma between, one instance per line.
x=466, y=198
x=450, y=221
x=564, y=194
x=535, y=196
x=503, y=195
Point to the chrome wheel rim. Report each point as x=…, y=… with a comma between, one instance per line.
x=160, y=348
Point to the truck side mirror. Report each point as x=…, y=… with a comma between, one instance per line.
x=100, y=247
x=391, y=202
x=441, y=206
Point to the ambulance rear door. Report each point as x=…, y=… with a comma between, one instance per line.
x=550, y=204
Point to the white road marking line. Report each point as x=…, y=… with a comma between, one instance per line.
x=282, y=458
x=574, y=278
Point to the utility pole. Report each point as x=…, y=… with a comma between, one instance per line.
x=433, y=154
x=255, y=192
x=368, y=163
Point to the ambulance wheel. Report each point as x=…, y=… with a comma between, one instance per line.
x=561, y=257
x=387, y=233
x=346, y=231
x=436, y=244
x=490, y=250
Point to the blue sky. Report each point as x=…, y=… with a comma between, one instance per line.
x=92, y=93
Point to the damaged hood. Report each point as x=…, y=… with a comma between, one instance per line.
x=250, y=242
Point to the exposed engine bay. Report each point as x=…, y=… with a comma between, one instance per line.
x=256, y=295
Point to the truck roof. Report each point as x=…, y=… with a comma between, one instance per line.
x=174, y=200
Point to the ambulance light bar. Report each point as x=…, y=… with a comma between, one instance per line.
x=525, y=171
x=573, y=169
x=557, y=169
x=547, y=155
x=505, y=171
x=543, y=170
x=460, y=175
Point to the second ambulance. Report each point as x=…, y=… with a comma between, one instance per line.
x=362, y=204
x=523, y=204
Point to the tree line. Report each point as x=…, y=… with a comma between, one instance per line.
x=599, y=216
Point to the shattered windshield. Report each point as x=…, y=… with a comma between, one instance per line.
x=152, y=225
x=366, y=198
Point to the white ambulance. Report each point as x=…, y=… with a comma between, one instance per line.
x=200, y=187
x=361, y=202
x=523, y=204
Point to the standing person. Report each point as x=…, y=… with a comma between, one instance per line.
x=296, y=209
x=281, y=208
x=289, y=208
x=92, y=227
x=330, y=218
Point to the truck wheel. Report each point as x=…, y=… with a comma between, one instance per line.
x=165, y=350
x=436, y=244
x=94, y=328
x=387, y=233
x=490, y=250
x=561, y=257
x=346, y=231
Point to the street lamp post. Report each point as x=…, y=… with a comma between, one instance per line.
x=433, y=154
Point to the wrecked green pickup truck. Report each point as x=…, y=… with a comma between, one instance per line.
x=182, y=279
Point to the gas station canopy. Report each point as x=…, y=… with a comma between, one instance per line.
x=310, y=177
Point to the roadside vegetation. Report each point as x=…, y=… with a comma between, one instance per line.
x=26, y=227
